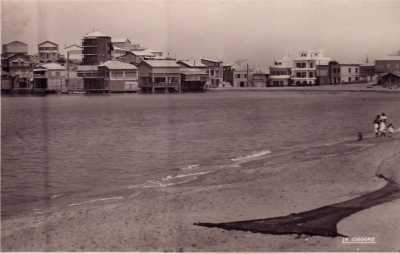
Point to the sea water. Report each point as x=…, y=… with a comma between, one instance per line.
x=84, y=149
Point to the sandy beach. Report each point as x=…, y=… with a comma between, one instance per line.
x=162, y=218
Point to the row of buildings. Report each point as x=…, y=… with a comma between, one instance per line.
x=101, y=64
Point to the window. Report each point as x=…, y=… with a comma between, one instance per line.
x=301, y=65
x=117, y=74
x=349, y=70
x=159, y=80
x=245, y=75
x=349, y=79
x=311, y=74
x=57, y=74
x=130, y=74
x=311, y=65
x=356, y=70
x=173, y=79
x=237, y=75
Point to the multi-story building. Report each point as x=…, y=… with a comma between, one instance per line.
x=135, y=57
x=97, y=48
x=367, y=72
x=93, y=82
x=387, y=64
x=214, y=71
x=241, y=76
x=6, y=82
x=227, y=75
x=349, y=73
x=73, y=53
x=125, y=43
x=160, y=75
x=48, y=52
x=260, y=79
x=14, y=47
x=19, y=68
x=49, y=78
x=280, y=72
x=334, y=72
x=119, y=76
x=305, y=70
x=193, y=79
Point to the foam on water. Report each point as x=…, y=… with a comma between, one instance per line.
x=171, y=180
x=97, y=200
x=190, y=167
x=251, y=156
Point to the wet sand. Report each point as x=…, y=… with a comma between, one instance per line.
x=275, y=185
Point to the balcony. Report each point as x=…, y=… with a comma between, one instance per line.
x=161, y=84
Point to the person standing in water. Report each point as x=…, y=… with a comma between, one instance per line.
x=383, y=117
x=377, y=122
x=382, y=127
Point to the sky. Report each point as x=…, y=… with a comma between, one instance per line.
x=257, y=30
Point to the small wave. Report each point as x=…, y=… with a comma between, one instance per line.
x=251, y=156
x=171, y=180
x=189, y=167
x=55, y=196
x=96, y=200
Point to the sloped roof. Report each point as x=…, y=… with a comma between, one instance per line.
x=395, y=73
x=72, y=45
x=52, y=66
x=43, y=42
x=21, y=55
x=192, y=63
x=142, y=52
x=193, y=71
x=118, y=65
x=115, y=48
x=162, y=63
x=16, y=42
x=96, y=34
x=120, y=40
x=87, y=68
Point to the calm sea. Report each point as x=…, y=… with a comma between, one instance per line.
x=71, y=149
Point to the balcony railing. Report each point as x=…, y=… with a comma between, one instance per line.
x=161, y=84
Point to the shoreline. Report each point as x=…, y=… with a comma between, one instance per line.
x=326, y=88
x=161, y=218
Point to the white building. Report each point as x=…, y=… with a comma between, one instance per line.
x=304, y=71
x=241, y=76
x=48, y=52
x=73, y=52
x=349, y=73
x=280, y=72
x=49, y=77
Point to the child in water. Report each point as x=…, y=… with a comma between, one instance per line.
x=390, y=129
x=376, y=125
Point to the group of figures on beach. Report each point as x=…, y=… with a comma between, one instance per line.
x=382, y=126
